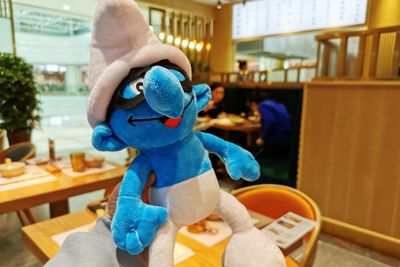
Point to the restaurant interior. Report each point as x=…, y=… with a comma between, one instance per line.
x=311, y=88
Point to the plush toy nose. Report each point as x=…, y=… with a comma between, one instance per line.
x=163, y=92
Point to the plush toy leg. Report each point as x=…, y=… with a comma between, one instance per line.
x=161, y=252
x=248, y=246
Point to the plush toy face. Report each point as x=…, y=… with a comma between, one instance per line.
x=164, y=113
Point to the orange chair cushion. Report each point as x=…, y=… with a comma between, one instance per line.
x=291, y=262
x=275, y=202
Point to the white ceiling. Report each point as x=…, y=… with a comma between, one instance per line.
x=76, y=7
x=79, y=7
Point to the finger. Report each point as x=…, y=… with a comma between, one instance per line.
x=112, y=201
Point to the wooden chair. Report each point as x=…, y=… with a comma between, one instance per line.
x=276, y=200
x=19, y=152
x=2, y=135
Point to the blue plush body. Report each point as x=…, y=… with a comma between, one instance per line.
x=175, y=154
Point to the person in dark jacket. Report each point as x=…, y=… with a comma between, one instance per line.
x=277, y=126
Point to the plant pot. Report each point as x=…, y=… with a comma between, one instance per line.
x=18, y=137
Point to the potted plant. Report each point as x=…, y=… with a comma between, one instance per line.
x=19, y=107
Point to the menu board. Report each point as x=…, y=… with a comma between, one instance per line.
x=267, y=17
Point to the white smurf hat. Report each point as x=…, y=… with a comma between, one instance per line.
x=122, y=40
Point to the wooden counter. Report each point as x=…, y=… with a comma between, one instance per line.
x=350, y=159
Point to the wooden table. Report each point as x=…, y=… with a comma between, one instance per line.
x=57, y=192
x=248, y=128
x=38, y=238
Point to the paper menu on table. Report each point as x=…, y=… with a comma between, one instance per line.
x=181, y=251
x=60, y=238
x=31, y=172
x=288, y=229
x=208, y=239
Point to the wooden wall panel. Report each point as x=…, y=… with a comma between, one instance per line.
x=350, y=152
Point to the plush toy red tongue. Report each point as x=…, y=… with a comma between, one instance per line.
x=173, y=123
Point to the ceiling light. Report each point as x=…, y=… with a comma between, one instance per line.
x=199, y=46
x=66, y=7
x=170, y=39
x=192, y=44
x=208, y=46
x=161, y=36
x=185, y=43
x=219, y=4
x=177, y=41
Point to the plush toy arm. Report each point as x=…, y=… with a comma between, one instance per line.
x=239, y=162
x=135, y=223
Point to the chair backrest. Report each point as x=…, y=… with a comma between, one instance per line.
x=18, y=152
x=276, y=200
x=2, y=135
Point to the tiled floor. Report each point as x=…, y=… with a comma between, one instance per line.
x=64, y=120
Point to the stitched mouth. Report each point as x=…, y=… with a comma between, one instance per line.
x=168, y=122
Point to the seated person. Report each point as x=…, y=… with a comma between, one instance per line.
x=277, y=126
x=216, y=106
x=243, y=70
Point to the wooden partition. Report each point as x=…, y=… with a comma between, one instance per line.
x=369, y=54
x=294, y=74
x=350, y=159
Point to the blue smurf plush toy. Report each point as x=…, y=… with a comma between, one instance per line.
x=142, y=97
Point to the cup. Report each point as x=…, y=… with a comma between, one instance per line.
x=78, y=161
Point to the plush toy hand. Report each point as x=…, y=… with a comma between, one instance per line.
x=240, y=163
x=135, y=224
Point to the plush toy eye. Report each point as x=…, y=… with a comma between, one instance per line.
x=132, y=89
x=139, y=86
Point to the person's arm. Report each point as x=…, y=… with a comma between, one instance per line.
x=95, y=248
x=239, y=162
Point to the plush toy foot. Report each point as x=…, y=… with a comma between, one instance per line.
x=252, y=248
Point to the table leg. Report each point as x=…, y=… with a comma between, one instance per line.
x=226, y=135
x=249, y=139
x=59, y=208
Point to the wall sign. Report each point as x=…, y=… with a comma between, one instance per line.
x=268, y=17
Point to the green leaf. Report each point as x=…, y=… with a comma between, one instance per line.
x=19, y=106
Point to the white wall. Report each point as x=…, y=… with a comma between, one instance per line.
x=5, y=36
x=77, y=7
x=300, y=45
x=42, y=49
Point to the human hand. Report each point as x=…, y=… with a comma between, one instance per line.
x=210, y=105
x=112, y=199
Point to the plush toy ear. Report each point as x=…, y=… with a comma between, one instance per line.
x=103, y=139
x=203, y=95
